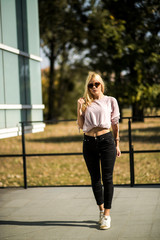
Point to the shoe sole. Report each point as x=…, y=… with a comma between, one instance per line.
x=104, y=228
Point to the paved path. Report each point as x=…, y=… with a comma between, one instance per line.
x=63, y=213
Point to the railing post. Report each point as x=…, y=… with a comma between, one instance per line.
x=131, y=154
x=24, y=156
x=132, y=166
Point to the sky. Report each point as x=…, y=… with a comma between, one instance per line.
x=72, y=57
x=45, y=61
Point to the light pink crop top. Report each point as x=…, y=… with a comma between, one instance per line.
x=101, y=113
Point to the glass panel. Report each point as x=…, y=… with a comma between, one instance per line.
x=24, y=85
x=20, y=24
x=2, y=112
x=27, y=81
x=12, y=91
x=146, y=136
x=0, y=24
x=147, y=168
x=2, y=119
x=29, y=115
x=35, y=82
x=33, y=27
x=11, y=170
x=13, y=118
x=37, y=115
x=9, y=25
x=22, y=79
x=23, y=115
x=62, y=170
x=24, y=25
x=1, y=80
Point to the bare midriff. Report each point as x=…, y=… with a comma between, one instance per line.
x=97, y=131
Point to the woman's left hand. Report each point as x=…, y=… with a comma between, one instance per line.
x=118, y=151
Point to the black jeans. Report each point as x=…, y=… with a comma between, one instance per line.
x=95, y=150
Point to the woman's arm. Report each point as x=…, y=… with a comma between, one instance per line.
x=80, y=117
x=115, y=128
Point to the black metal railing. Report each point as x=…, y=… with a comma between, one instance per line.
x=131, y=151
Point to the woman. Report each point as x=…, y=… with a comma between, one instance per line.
x=96, y=113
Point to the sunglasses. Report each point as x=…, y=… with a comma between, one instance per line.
x=90, y=85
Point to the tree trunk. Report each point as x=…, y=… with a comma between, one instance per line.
x=62, y=80
x=137, y=113
x=121, y=114
x=51, y=85
x=118, y=82
x=137, y=110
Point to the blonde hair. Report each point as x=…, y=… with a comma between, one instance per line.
x=88, y=97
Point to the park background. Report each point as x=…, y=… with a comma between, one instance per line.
x=119, y=40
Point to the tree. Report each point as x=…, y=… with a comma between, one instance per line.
x=105, y=43
x=123, y=37
x=52, y=27
x=61, y=29
x=69, y=86
x=141, y=48
x=118, y=38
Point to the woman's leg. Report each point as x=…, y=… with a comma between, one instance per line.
x=101, y=207
x=108, y=156
x=91, y=157
x=107, y=212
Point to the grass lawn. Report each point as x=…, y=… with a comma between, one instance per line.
x=71, y=170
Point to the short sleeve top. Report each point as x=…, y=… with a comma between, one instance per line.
x=102, y=112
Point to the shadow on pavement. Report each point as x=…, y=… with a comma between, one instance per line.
x=90, y=224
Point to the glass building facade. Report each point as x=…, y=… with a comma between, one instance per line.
x=20, y=75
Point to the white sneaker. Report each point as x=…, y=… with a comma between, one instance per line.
x=101, y=215
x=105, y=223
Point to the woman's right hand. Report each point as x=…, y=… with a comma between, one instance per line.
x=80, y=103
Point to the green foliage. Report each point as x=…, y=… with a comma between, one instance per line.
x=117, y=38
x=61, y=27
x=129, y=40
x=69, y=86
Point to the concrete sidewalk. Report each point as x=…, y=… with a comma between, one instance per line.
x=64, y=213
